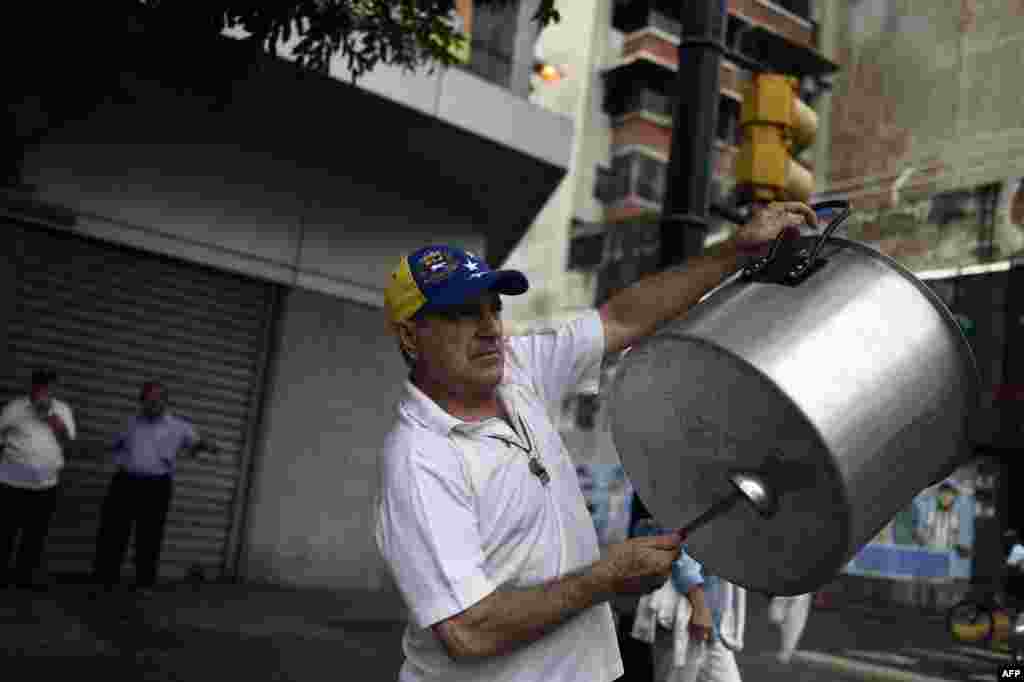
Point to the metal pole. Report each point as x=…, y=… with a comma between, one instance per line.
x=684, y=221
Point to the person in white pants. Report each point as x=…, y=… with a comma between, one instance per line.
x=790, y=614
x=673, y=620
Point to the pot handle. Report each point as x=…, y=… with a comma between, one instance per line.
x=781, y=265
x=844, y=212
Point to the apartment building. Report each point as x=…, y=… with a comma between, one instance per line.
x=599, y=231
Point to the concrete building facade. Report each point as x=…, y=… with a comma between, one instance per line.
x=925, y=135
x=227, y=223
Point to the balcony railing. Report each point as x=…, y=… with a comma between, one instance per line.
x=662, y=106
x=586, y=252
x=624, y=83
x=636, y=175
x=611, y=185
x=663, y=23
x=799, y=8
x=639, y=20
x=649, y=101
x=790, y=19
x=631, y=174
x=633, y=17
x=491, y=65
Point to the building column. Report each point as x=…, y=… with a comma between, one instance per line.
x=827, y=16
x=524, y=42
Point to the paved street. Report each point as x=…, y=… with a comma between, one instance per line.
x=215, y=632
x=876, y=644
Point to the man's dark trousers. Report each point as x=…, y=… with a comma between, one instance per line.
x=142, y=502
x=28, y=512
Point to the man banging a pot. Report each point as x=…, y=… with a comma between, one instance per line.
x=480, y=517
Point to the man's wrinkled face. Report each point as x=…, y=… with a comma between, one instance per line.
x=154, y=402
x=462, y=347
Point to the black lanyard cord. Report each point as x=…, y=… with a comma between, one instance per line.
x=536, y=468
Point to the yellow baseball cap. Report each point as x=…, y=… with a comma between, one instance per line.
x=439, y=275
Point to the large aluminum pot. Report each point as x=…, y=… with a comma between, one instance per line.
x=826, y=369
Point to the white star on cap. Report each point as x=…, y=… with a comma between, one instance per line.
x=471, y=266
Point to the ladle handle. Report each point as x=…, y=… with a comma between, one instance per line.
x=715, y=510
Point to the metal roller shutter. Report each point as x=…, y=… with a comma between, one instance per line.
x=107, y=319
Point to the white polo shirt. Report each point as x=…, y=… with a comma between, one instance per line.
x=460, y=515
x=32, y=456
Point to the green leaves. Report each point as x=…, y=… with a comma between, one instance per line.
x=365, y=33
x=546, y=14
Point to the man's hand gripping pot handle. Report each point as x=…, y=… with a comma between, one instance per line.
x=511, y=618
x=640, y=565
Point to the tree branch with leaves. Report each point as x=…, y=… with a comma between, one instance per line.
x=408, y=33
x=77, y=67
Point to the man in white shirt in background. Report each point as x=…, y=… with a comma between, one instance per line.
x=790, y=614
x=1015, y=568
x=35, y=430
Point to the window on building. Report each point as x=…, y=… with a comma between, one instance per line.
x=493, y=43
x=490, y=64
x=650, y=183
x=732, y=30
x=950, y=207
x=634, y=15
x=728, y=121
x=963, y=227
x=586, y=251
x=605, y=186
x=654, y=102
x=622, y=171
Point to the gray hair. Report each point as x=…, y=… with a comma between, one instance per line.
x=409, y=358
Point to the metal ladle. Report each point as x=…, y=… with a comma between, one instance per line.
x=748, y=486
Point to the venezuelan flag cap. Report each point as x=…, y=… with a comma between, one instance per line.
x=437, y=276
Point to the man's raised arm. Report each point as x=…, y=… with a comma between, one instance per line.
x=640, y=309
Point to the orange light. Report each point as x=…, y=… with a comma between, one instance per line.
x=549, y=73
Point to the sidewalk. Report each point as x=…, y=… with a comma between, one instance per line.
x=256, y=633
x=891, y=643
x=215, y=632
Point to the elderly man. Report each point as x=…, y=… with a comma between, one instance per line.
x=35, y=430
x=480, y=516
x=140, y=493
